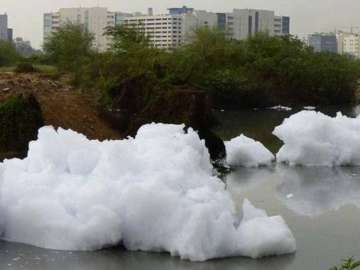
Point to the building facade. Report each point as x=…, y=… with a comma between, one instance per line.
x=177, y=27
x=169, y=30
x=10, y=34
x=95, y=20
x=3, y=27
x=23, y=47
x=321, y=42
x=349, y=44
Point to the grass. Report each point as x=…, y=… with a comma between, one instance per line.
x=7, y=69
x=46, y=70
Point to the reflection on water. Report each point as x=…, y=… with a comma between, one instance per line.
x=17, y=256
x=318, y=212
x=320, y=205
x=243, y=180
x=307, y=191
x=318, y=190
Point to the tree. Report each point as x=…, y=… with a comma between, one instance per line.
x=131, y=51
x=69, y=47
x=8, y=54
x=125, y=39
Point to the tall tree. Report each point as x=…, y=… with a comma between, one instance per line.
x=69, y=47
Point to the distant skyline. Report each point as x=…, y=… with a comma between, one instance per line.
x=26, y=17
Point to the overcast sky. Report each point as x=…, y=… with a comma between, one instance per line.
x=307, y=16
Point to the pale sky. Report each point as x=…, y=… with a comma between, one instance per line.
x=307, y=16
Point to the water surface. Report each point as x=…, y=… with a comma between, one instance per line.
x=321, y=206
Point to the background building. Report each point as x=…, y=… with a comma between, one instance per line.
x=3, y=27
x=5, y=32
x=23, y=47
x=349, y=43
x=172, y=29
x=322, y=42
x=10, y=34
x=95, y=20
x=177, y=27
x=247, y=22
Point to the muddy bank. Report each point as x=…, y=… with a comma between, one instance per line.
x=133, y=104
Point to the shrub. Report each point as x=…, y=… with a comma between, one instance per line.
x=25, y=67
x=69, y=48
x=8, y=54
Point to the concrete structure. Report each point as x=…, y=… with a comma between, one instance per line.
x=247, y=22
x=95, y=20
x=23, y=47
x=10, y=34
x=349, y=44
x=177, y=27
x=172, y=29
x=5, y=32
x=322, y=42
x=281, y=25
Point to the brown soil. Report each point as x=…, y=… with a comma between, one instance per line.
x=61, y=105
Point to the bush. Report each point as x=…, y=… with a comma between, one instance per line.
x=258, y=72
x=25, y=67
x=69, y=48
x=8, y=54
x=263, y=71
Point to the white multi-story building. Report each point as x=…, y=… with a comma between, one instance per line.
x=247, y=22
x=349, y=43
x=3, y=27
x=6, y=33
x=169, y=30
x=95, y=20
x=176, y=28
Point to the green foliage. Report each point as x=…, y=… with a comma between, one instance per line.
x=348, y=264
x=125, y=40
x=129, y=56
x=264, y=70
x=130, y=53
x=25, y=67
x=259, y=71
x=69, y=48
x=8, y=54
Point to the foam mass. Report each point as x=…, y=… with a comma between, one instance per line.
x=314, y=139
x=246, y=152
x=155, y=192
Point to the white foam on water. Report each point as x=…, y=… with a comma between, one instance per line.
x=155, y=192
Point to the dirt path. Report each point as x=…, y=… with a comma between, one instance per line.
x=62, y=106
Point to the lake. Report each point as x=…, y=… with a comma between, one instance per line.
x=320, y=205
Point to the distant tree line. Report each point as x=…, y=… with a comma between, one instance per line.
x=259, y=71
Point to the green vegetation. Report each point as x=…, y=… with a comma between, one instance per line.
x=348, y=264
x=46, y=70
x=11, y=61
x=260, y=71
x=263, y=71
x=8, y=54
x=70, y=49
x=25, y=67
